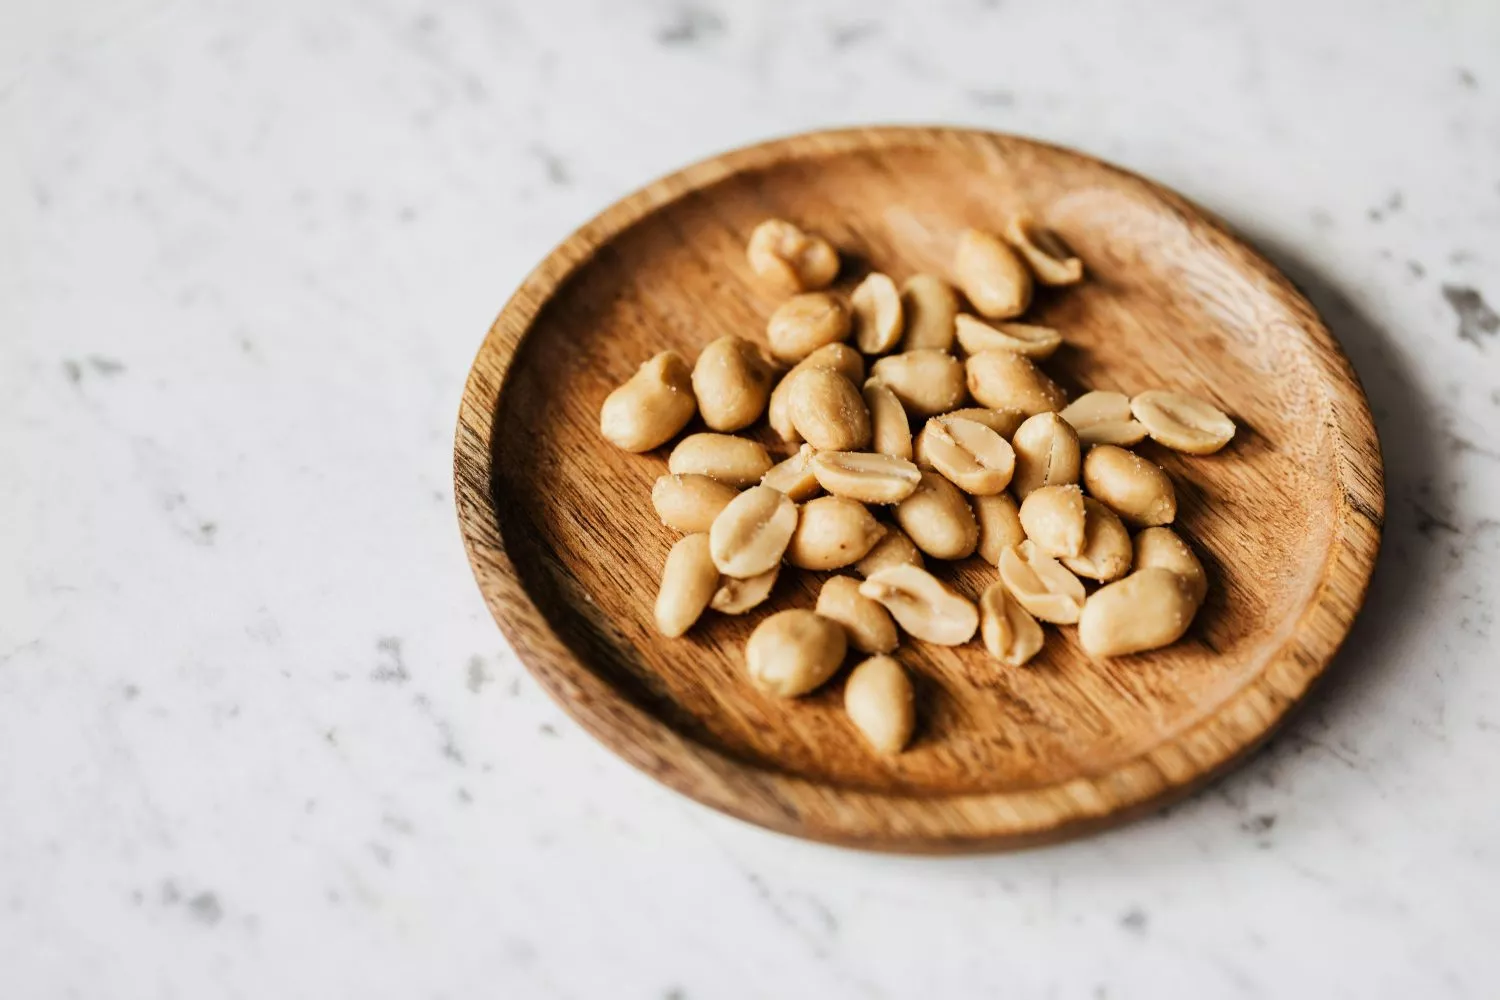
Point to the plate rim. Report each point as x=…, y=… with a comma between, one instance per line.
x=892, y=820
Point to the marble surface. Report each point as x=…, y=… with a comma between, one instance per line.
x=258, y=736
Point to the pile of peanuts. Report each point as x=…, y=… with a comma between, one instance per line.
x=1041, y=488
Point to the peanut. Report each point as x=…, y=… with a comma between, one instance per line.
x=972, y=457
x=1046, y=448
x=1103, y=418
x=789, y=260
x=923, y=605
x=737, y=461
x=1106, y=552
x=1036, y=342
x=893, y=549
x=867, y=623
x=1182, y=422
x=750, y=535
x=794, y=476
x=832, y=532
x=890, y=433
x=1049, y=257
x=1163, y=548
x=865, y=476
x=1053, y=517
x=1007, y=381
x=690, y=503
x=792, y=652
x=1041, y=584
x=1002, y=422
x=927, y=381
x=840, y=357
x=804, y=323
x=828, y=411
x=732, y=382
x=931, y=306
x=650, y=408
x=735, y=597
x=938, y=519
x=1137, y=490
x=878, y=699
x=999, y=525
x=991, y=275
x=877, y=314
x=1148, y=609
x=1010, y=633
x=688, y=582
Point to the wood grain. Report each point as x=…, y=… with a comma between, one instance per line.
x=566, y=548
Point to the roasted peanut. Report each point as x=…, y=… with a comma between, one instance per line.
x=792, y=652
x=938, y=519
x=651, y=406
x=690, y=502
x=890, y=433
x=1148, y=609
x=878, y=699
x=804, y=323
x=1049, y=257
x=840, y=357
x=868, y=477
x=832, y=532
x=1137, y=490
x=735, y=597
x=828, y=411
x=789, y=260
x=1002, y=422
x=732, y=381
x=1010, y=633
x=1053, y=517
x=1036, y=342
x=1163, y=548
x=1103, y=418
x=750, y=534
x=877, y=314
x=927, y=382
x=972, y=457
x=1182, y=422
x=688, y=582
x=1041, y=584
x=993, y=277
x=999, y=525
x=923, y=605
x=734, y=460
x=1105, y=555
x=794, y=476
x=893, y=549
x=1046, y=448
x=930, y=305
x=1005, y=380
x=867, y=623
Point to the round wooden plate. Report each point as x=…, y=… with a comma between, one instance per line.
x=567, y=549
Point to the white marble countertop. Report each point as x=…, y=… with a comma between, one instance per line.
x=258, y=735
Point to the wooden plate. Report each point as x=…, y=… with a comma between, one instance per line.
x=566, y=548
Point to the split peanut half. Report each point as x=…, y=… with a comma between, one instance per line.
x=1041, y=584
x=923, y=605
x=1183, y=422
x=868, y=477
